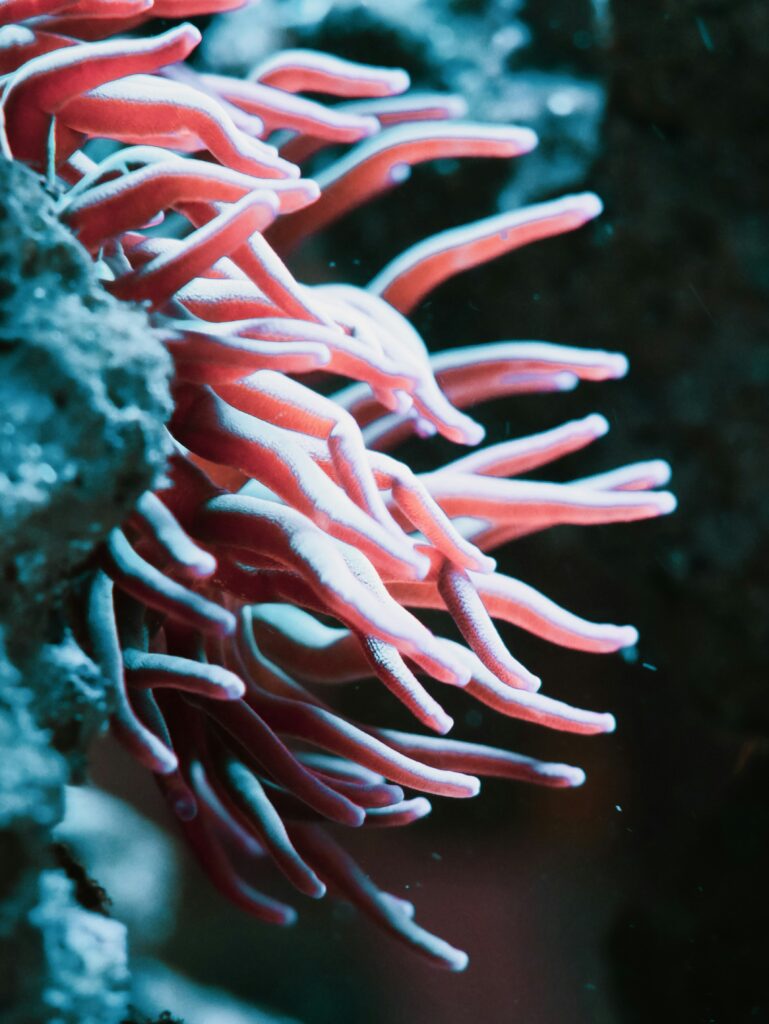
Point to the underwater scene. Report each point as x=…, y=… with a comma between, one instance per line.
x=384, y=507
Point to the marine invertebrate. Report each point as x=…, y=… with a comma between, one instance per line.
x=282, y=509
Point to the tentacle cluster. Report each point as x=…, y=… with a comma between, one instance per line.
x=289, y=550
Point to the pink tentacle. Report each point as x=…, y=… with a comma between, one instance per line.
x=153, y=110
x=384, y=161
x=286, y=403
x=466, y=607
x=415, y=502
x=208, y=356
x=321, y=728
x=404, y=813
x=410, y=277
x=210, y=427
x=307, y=648
x=162, y=531
x=130, y=200
x=279, y=110
x=511, y=458
x=529, y=504
x=339, y=870
x=147, y=584
x=24, y=44
x=46, y=84
x=159, y=279
x=13, y=11
x=247, y=801
x=219, y=869
x=390, y=669
x=312, y=71
x=456, y=755
x=639, y=476
x=386, y=112
x=147, y=670
x=260, y=743
x=486, y=688
x=145, y=746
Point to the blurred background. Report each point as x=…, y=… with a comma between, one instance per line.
x=644, y=895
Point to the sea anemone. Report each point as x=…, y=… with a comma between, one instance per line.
x=283, y=552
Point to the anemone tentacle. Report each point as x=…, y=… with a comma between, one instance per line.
x=282, y=511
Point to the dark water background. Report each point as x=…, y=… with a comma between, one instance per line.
x=642, y=896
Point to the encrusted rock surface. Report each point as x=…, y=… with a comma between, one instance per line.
x=83, y=391
x=83, y=387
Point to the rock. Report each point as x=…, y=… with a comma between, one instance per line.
x=84, y=392
x=83, y=387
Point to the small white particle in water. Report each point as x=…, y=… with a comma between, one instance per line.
x=399, y=173
x=618, y=807
x=649, y=666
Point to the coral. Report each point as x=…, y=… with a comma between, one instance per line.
x=282, y=510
